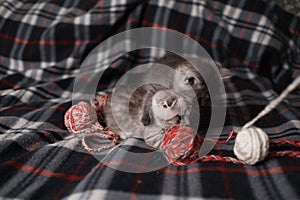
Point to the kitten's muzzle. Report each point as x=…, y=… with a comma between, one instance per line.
x=170, y=102
x=176, y=119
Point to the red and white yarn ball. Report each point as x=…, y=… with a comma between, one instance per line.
x=79, y=117
x=181, y=145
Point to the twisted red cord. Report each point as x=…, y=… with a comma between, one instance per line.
x=295, y=143
x=114, y=138
x=174, y=155
x=98, y=105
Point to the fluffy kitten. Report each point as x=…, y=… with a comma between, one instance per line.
x=187, y=80
x=189, y=84
x=153, y=109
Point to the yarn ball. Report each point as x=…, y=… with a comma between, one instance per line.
x=181, y=145
x=79, y=117
x=251, y=145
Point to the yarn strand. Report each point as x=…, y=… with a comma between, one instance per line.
x=274, y=102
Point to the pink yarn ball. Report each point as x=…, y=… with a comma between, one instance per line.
x=181, y=145
x=79, y=117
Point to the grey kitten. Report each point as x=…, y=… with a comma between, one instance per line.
x=187, y=80
x=162, y=112
x=189, y=83
x=153, y=109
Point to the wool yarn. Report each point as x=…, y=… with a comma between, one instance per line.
x=79, y=117
x=181, y=145
x=252, y=143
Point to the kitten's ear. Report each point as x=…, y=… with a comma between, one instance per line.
x=225, y=73
x=146, y=110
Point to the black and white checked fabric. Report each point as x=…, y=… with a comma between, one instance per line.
x=43, y=43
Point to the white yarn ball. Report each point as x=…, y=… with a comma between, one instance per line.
x=251, y=145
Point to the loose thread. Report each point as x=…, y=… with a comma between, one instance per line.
x=295, y=143
x=220, y=158
x=228, y=159
x=97, y=149
x=293, y=154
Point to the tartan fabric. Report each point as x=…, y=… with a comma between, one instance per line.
x=43, y=44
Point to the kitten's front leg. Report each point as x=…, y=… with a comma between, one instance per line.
x=186, y=108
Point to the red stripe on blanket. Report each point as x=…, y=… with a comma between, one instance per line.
x=252, y=172
x=244, y=170
x=32, y=108
x=63, y=189
x=43, y=172
x=295, y=32
x=12, y=85
x=195, y=37
x=43, y=42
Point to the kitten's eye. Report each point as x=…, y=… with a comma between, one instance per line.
x=164, y=105
x=190, y=80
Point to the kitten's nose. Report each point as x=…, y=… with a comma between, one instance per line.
x=171, y=101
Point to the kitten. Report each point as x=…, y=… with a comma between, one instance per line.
x=189, y=83
x=153, y=109
x=187, y=80
x=160, y=114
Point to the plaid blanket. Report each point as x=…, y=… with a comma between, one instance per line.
x=42, y=45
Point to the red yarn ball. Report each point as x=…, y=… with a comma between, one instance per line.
x=80, y=117
x=181, y=145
